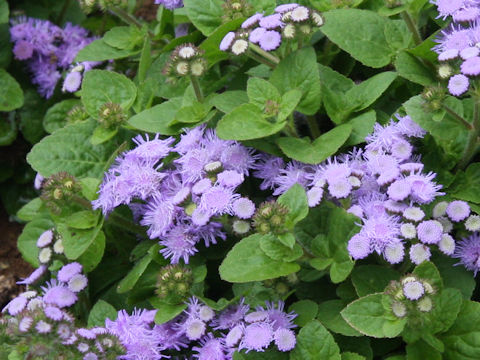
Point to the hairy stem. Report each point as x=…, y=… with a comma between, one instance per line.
x=260, y=59
x=473, y=143
x=313, y=126
x=457, y=117
x=417, y=38
x=197, y=88
x=264, y=53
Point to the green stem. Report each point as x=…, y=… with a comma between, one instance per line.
x=197, y=88
x=61, y=16
x=291, y=129
x=300, y=42
x=313, y=126
x=82, y=202
x=473, y=138
x=264, y=53
x=457, y=117
x=125, y=16
x=417, y=38
x=260, y=59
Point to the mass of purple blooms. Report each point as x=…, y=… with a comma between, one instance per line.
x=208, y=335
x=458, y=45
x=48, y=50
x=170, y=4
x=180, y=200
x=288, y=22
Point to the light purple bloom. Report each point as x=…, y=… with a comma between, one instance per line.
x=359, y=247
x=230, y=178
x=170, y=4
x=179, y=243
x=458, y=210
x=257, y=337
x=270, y=40
x=284, y=339
x=413, y=290
x=68, y=271
x=285, y=7
x=16, y=305
x=60, y=296
x=252, y=20
x=23, y=50
x=419, y=253
x=468, y=252
x=256, y=35
x=227, y=41
x=430, y=231
x=158, y=216
x=471, y=66
x=458, y=84
x=210, y=348
x=243, y=208
x=271, y=21
x=53, y=313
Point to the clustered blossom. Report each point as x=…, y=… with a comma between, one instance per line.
x=48, y=50
x=170, y=4
x=458, y=45
x=207, y=334
x=288, y=21
x=410, y=295
x=179, y=201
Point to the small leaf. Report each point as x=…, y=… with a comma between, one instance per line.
x=246, y=122
x=246, y=262
x=102, y=134
x=158, y=118
x=77, y=241
x=11, y=96
x=288, y=103
x=229, y=100
x=369, y=279
x=27, y=241
x=259, y=91
x=56, y=116
x=329, y=316
x=99, y=50
x=165, y=312
x=368, y=316
x=295, y=199
x=206, y=15
x=306, y=311
x=30, y=210
x=101, y=311
x=315, y=342
x=82, y=220
x=129, y=281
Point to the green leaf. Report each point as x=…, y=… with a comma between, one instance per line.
x=362, y=125
x=101, y=134
x=11, y=97
x=77, y=241
x=361, y=34
x=101, y=86
x=445, y=310
x=129, y=281
x=246, y=122
x=287, y=239
x=275, y=249
x=398, y=35
x=85, y=219
x=158, y=118
x=368, y=279
x=68, y=149
x=4, y=12
x=288, y=103
x=295, y=199
x=145, y=60
x=246, y=262
x=329, y=316
x=365, y=94
x=306, y=311
x=352, y=356
x=315, y=342
x=323, y=147
x=259, y=91
x=8, y=131
x=191, y=114
x=329, y=247
x=229, y=100
x=94, y=253
x=101, y=311
x=420, y=350
x=410, y=68
x=27, y=241
x=99, y=50
x=466, y=184
x=368, y=316
x=30, y=210
x=448, y=133
x=206, y=15
x=165, y=312
x=462, y=340
x=89, y=187
x=123, y=37
x=56, y=116
x=299, y=70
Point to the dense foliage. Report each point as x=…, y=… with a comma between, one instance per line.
x=211, y=179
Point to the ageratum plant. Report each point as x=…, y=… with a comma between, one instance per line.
x=236, y=179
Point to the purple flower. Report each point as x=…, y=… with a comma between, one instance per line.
x=471, y=66
x=231, y=316
x=359, y=247
x=381, y=231
x=424, y=190
x=448, y=7
x=152, y=150
x=399, y=190
x=68, y=271
x=60, y=296
x=179, y=243
x=270, y=40
x=256, y=35
x=230, y=178
x=53, y=313
x=45, y=238
x=394, y=253
x=458, y=210
x=458, y=84
x=218, y=200
x=419, y=253
x=284, y=339
x=468, y=252
x=268, y=168
x=294, y=173
x=227, y=41
x=469, y=52
x=413, y=290
x=210, y=348
x=23, y=50
x=455, y=37
x=278, y=317
x=430, y=231
x=257, y=337
x=285, y=7
x=159, y=215
x=271, y=21
x=16, y=305
x=252, y=20
x=170, y=4
x=243, y=208
x=43, y=327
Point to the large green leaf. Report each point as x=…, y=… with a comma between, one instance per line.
x=11, y=96
x=317, y=151
x=158, y=118
x=247, y=262
x=101, y=86
x=329, y=315
x=99, y=50
x=299, y=70
x=369, y=279
x=368, y=316
x=206, y=15
x=68, y=149
x=77, y=241
x=315, y=342
x=247, y=122
x=361, y=34
x=411, y=68
x=462, y=340
x=466, y=184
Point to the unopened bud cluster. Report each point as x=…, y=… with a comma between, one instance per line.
x=57, y=189
x=186, y=60
x=89, y=5
x=270, y=218
x=174, y=283
x=77, y=114
x=433, y=97
x=111, y=115
x=235, y=9
x=410, y=296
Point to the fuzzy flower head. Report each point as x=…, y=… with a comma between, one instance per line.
x=468, y=252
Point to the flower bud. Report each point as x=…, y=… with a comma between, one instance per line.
x=77, y=114
x=173, y=283
x=270, y=217
x=111, y=115
x=57, y=189
x=235, y=9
